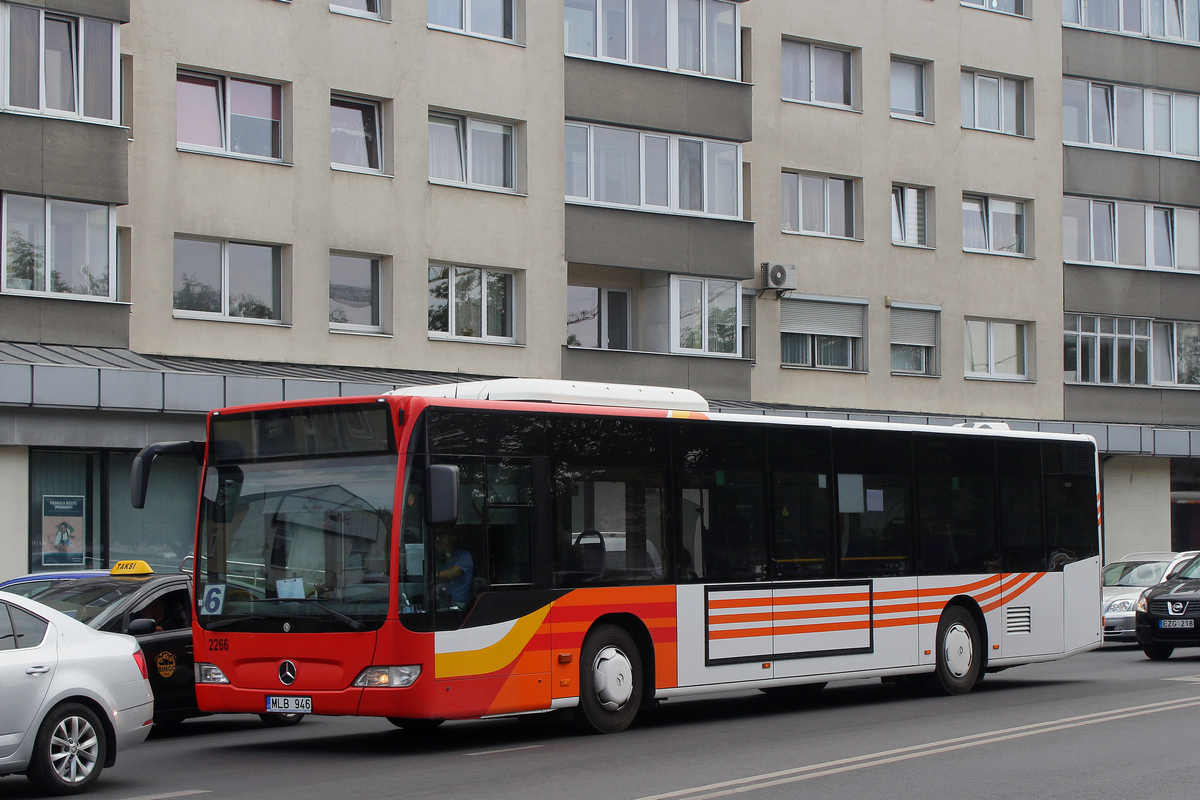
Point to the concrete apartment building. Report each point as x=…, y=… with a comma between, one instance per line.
x=252, y=200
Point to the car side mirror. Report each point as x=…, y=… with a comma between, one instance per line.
x=140, y=627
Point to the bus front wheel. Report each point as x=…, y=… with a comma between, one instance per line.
x=959, y=653
x=610, y=681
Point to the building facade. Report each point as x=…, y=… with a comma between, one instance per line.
x=834, y=209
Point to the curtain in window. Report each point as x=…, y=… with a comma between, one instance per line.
x=841, y=207
x=657, y=171
x=795, y=71
x=1131, y=129
x=618, y=166
x=1013, y=106
x=1102, y=114
x=967, y=99
x=97, y=69
x=1187, y=239
x=447, y=13
x=832, y=71
x=908, y=94
x=1008, y=348
x=791, y=201
x=1131, y=234
x=691, y=175
x=689, y=34
x=1164, y=236
x=25, y=243
x=1102, y=231
x=1075, y=111
x=60, y=64
x=974, y=225
x=987, y=103
x=723, y=170
x=24, y=69
x=198, y=111
x=1131, y=11
x=720, y=39
x=1161, y=120
x=575, y=158
x=445, y=149
x=812, y=199
x=492, y=18
x=650, y=32
x=1102, y=14
x=1186, y=143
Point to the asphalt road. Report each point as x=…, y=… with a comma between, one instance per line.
x=1106, y=724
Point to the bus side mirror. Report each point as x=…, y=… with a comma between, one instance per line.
x=441, y=494
x=139, y=474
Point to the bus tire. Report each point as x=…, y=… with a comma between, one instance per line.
x=959, y=653
x=610, y=681
x=410, y=725
x=281, y=720
x=1157, y=652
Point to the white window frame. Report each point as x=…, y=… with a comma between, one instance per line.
x=78, y=76
x=991, y=373
x=1003, y=83
x=922, y=114
x=1169, y=330
x=675, y=309
x=336, y=97
x=1142, y=25
x=1124, y=333
x=602, y=326
x=672, y=177
x=466, y=155
x=812, y=339
x=798, y=222
x=1150, y=233
x=988, y=206
x=378, y=14
x=48, y=254
x=376, y=300
x=929, y=346
x=984, y=5
x=226, y=117
x=224, y=315
x=901, y=195
x=849, y=52
x=466, y=8
x=449, y=334
x=672, y=40
x=1178, y=101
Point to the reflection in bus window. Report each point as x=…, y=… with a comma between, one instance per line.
x=610, y=526
x=723, y=524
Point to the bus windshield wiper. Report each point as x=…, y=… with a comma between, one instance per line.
x=225, y=623
x=339, y=616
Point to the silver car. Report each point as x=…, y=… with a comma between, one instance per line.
x=73, y=697
x=1125, y=579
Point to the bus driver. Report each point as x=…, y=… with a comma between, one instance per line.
x=455, y=568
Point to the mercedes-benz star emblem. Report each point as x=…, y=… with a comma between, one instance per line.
x=287, y=626
x=287, y=673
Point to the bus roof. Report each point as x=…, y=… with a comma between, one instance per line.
x=578, y=393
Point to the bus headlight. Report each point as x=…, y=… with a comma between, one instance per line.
x=388, y=677
x=210, y=673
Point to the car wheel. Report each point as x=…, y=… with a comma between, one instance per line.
x=415, y=725
x=959, y=653
x=281, y=720
x=610, y=681
x=1157, y=652
x=69, y=751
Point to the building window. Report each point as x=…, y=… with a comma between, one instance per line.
x=598, y=317
x=1107, y=350
x=215, y=113
x=359, y=8
x=1003, y=6
x=354, y=133
x=821, y=205
x=914, y=340
x=652, y=171
x=908, y=88
x=60, y=65
x=58, y=247
x=217, y=278
x=471, y=152
x=814, y=73
x=470, y=303
x=993, y=225
x=492, y=18
x=817, y=333
x=1177, y=20
x=354, y=293
x=995, y=349
x=705, y=316
x=680, y=35
x=993, y=103
x=909, y=216
x=1176, y=358
x=1130, y=234
x=1131, y=118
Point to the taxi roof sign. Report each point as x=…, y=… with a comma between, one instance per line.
x=132, y=567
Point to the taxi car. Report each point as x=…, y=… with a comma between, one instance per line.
x=156, y=609
x=38, y=582
x=72, y=697
x=1168, y=614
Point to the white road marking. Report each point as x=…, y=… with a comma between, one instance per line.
x=767, y=780
x=505, y=750
x=167, y=795
x=1185, y=678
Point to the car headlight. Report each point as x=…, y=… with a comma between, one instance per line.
x=1141, y=603
x=1119, y=605
x=388, y=677
x=210, y=673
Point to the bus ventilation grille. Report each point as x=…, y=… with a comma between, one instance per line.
x=1019, y=620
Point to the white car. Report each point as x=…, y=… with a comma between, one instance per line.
x=71, y=697
x=1124, y=581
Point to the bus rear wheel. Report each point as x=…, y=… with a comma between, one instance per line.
x=415, y=725
x=959, y=653
x=610, y=681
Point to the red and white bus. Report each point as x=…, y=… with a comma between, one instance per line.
x=517, y=546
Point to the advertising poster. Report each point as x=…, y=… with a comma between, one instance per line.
x=63, y=528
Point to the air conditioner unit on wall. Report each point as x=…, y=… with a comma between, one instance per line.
x=781, y=277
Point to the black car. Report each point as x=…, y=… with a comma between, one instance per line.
x=157, y=610
x=1168, y=614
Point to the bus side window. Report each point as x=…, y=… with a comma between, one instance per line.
x=802, y=495
x=874, y=494
x=1022, y=540
x=510, y=520
x=1070, y=502
x=956, y=504
x=610, y=526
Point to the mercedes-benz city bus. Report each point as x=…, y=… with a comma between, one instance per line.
x=516, y=546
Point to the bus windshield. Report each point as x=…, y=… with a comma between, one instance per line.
x=303, y=542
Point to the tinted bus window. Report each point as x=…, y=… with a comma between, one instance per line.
x=318, y=431
x=478, y=433
x=1022, y=538
x=721, y=501
x=802, y=503
x=956, y=504
x=874, y=502
x=1070, y=502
